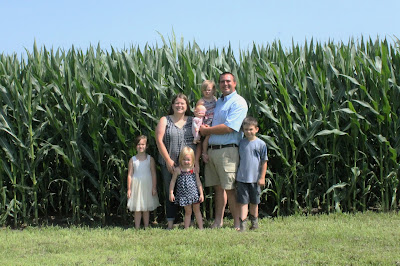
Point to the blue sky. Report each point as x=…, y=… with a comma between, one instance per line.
x=121, y=24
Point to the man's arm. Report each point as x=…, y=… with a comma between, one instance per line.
x=215, y=130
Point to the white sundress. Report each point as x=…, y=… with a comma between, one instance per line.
x=141, y=198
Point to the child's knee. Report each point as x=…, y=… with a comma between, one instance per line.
x=188, y=211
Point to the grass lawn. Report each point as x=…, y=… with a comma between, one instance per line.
x=362, y=238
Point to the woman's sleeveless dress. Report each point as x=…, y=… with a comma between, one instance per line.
x=176, y=138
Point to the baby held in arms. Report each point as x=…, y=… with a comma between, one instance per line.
x=199, y=113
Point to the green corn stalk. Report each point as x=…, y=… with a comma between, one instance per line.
x=328, y=114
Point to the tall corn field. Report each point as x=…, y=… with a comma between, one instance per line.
x=329, y=114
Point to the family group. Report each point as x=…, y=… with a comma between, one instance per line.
x=234, y=166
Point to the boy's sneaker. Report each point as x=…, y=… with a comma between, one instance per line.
x=254, y=222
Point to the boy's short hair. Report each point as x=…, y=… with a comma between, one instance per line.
x=207, y=83
x=250, y=121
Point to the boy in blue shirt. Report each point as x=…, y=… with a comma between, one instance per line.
x=251, y=173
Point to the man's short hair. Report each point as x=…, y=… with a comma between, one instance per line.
x=227, y=73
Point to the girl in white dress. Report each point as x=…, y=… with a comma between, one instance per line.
x=142, y=183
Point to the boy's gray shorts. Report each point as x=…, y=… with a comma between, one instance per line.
x=248, y=193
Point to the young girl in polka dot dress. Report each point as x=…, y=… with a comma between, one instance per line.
x=188, y=189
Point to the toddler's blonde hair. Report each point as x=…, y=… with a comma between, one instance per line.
x=207, y=83
x=185, y=151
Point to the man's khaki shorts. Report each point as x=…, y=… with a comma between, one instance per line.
x=221, y=167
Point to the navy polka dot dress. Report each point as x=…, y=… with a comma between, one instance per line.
x=186, y=190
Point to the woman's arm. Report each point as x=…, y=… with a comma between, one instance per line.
x=172, y=184
x=197, y=158
x=200, y=187
x=153, y=176
x=160, y=131
x=129, y=179
x=215, y=130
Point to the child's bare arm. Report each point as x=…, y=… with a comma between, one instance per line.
x=261, y=180
x=153, y=176
x=129, y=178
x=204, y=153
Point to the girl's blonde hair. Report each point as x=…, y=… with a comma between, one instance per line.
x=207, y=83
x=185, y=151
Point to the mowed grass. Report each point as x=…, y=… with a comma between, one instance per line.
x=362, y=238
